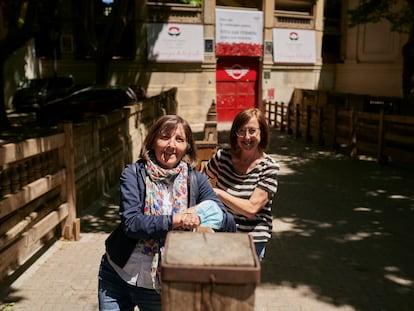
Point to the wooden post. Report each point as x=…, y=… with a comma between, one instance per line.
x=333, y=129
x=381, y=158
x=352, y=129
x=308, y=123
x=268, y=108
x=68, y=191
x=275, y=105
x=297, y=121
x=289, y=118
x=320, y=125
x=282, y=116
x=209, y=271
x=212, y=112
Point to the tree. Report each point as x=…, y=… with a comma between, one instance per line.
x=400, y=15
x=26, y=19
x=103, y=23
x=22, y=20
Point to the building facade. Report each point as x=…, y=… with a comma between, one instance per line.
x=236, y=53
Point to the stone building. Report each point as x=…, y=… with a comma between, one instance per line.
x=236, y=53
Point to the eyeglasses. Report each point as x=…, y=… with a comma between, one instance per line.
x=252, y=131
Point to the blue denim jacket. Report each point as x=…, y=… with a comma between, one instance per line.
x=135, y=225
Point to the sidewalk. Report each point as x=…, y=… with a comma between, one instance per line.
x=343, y=240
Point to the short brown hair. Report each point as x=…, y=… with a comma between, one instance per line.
x=241, y=119
x=164, y=124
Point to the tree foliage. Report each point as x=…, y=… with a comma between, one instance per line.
x=398, y=13
x=104, y=39
x=22, y=20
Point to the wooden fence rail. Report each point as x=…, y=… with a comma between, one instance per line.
x=338, y=121
x=278, y=115
x=46, y=181
x=38, y=194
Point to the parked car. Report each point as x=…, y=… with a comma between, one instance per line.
x=32, y=94
x=86, y=102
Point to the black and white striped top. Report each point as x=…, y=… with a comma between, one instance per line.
x=264, y=176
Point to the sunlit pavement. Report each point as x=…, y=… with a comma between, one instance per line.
x=343, y=240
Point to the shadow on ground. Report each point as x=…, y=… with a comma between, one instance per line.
x=102, y=215
x=343, y=228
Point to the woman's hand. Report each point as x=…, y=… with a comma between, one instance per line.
x=190, y=221
x=187, y=220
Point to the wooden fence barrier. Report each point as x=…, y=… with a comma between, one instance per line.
x=38, y=195
x=207, y=147
x=337, y=120
x=279, y=115
x=46, y=181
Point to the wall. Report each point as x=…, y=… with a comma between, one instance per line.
x=372, y=59
x=372, y=63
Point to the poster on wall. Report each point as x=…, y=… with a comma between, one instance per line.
x=294, y=46
x=239, y=33
x=175, y=42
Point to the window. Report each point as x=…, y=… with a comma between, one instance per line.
x=294, y=14
x=331, y=47
x=295, y=6
x=104, y=30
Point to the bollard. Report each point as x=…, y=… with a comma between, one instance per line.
x=209, y=271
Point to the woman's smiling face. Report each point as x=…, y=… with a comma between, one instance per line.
x=249, y=138
x=170, y=147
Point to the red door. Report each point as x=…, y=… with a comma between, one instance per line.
x=236, y=86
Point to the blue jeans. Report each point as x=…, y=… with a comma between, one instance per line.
x=115, y=294
x=260, y=250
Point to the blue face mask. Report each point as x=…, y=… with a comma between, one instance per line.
x=210, y=214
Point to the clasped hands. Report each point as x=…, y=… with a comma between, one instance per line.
x=190, y=221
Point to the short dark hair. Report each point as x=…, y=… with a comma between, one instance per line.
x=241, y=119
x=168, y=123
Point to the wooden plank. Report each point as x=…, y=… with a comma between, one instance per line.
x=399, y=139
x=76, y=229
x=30, y=192
x=205, y=151
x=198, y=273
x=409, y=120
x=68, y=189
x=366, y=148
x=14, y=152
x=201, y=258
x=407, y=129
x=31, y=241
x=367, y=115
x=50, y=221
x=33, y=210
x=191, y=296
x=344, y=114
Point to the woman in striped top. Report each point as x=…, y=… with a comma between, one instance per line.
x=246, y=177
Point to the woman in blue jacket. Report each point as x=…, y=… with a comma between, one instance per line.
x=159, y=193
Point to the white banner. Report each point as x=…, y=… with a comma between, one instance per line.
x=294, y=46
x=237, y=26
x=175, y=42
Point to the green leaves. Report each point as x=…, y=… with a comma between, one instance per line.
x=399, y=14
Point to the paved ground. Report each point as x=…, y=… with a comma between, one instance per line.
x=343, y=240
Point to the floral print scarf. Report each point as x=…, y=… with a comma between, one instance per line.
x=177, y=176
x=154, y=201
